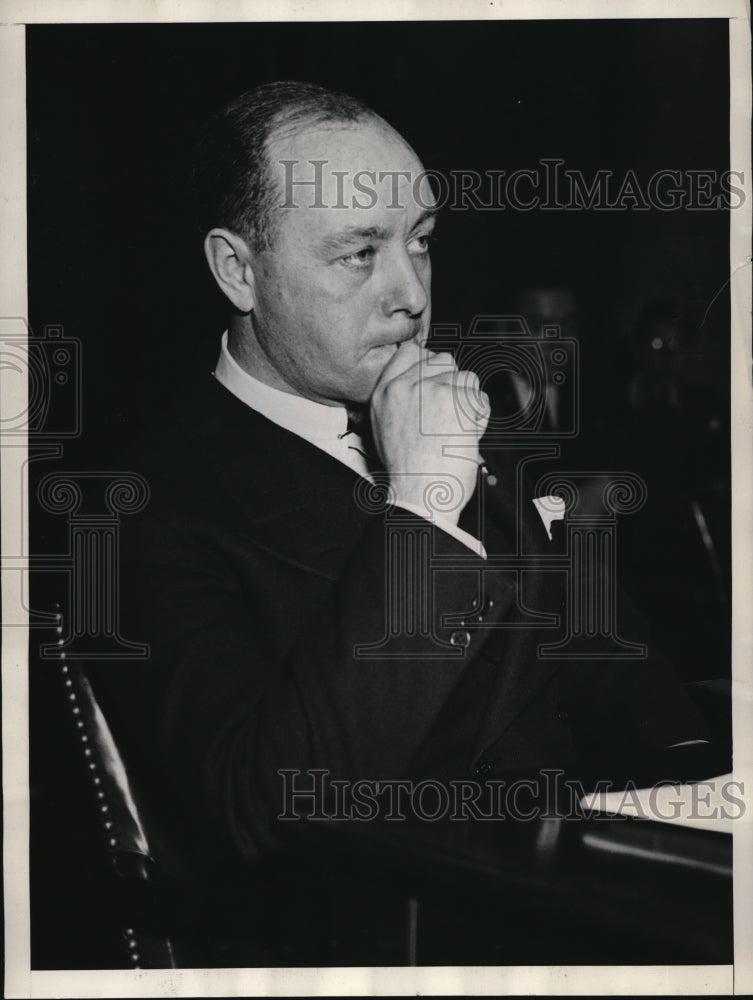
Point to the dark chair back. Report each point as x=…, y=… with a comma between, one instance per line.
x=135, y=873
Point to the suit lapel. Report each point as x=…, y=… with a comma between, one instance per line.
x=283, y=494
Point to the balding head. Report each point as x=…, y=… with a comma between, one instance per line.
x=231, y=179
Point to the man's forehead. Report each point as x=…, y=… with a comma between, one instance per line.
x=364, y=145
x=366, y=167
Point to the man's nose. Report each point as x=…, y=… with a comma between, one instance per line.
x=405, y=291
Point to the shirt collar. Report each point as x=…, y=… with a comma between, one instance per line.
x=316, y=422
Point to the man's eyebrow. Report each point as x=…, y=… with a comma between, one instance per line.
x=352, y=234
x=428, y=213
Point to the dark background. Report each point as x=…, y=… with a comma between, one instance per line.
x=114, y=260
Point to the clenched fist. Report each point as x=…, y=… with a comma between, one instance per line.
x=427, y=418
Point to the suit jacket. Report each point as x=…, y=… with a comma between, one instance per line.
x=254, y=574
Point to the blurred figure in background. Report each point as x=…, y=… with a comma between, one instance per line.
x=652, y=403
x=545, y=305
x=551, y=301
x=675, y=433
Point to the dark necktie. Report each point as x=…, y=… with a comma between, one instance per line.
x=359, y=423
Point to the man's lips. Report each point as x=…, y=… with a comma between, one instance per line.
x=396, y=341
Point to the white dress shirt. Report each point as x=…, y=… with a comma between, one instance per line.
x=321, y=425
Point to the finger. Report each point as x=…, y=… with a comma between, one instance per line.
x=470, y=401
x=475, y=401
x=408, y=355
x=483, y=415
x=439, y=362
x=461, y=376
x=463, y=381
x=425, y=365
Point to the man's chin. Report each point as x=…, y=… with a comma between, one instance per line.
x=379, y=357
x=370, y=371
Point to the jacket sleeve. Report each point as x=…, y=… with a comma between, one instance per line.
x=634, y=705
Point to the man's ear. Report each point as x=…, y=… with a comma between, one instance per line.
x=229, y=260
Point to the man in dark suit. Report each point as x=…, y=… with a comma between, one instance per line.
x=295, y=618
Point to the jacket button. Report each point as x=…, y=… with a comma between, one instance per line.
x=563, y=716
x=482, y=604
x=483, y=767
x=460, y=638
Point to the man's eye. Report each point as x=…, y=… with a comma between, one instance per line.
x=359, y=259
x=421, y=244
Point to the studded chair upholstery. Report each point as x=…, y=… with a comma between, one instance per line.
x=167, y=918
x=135, y=873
